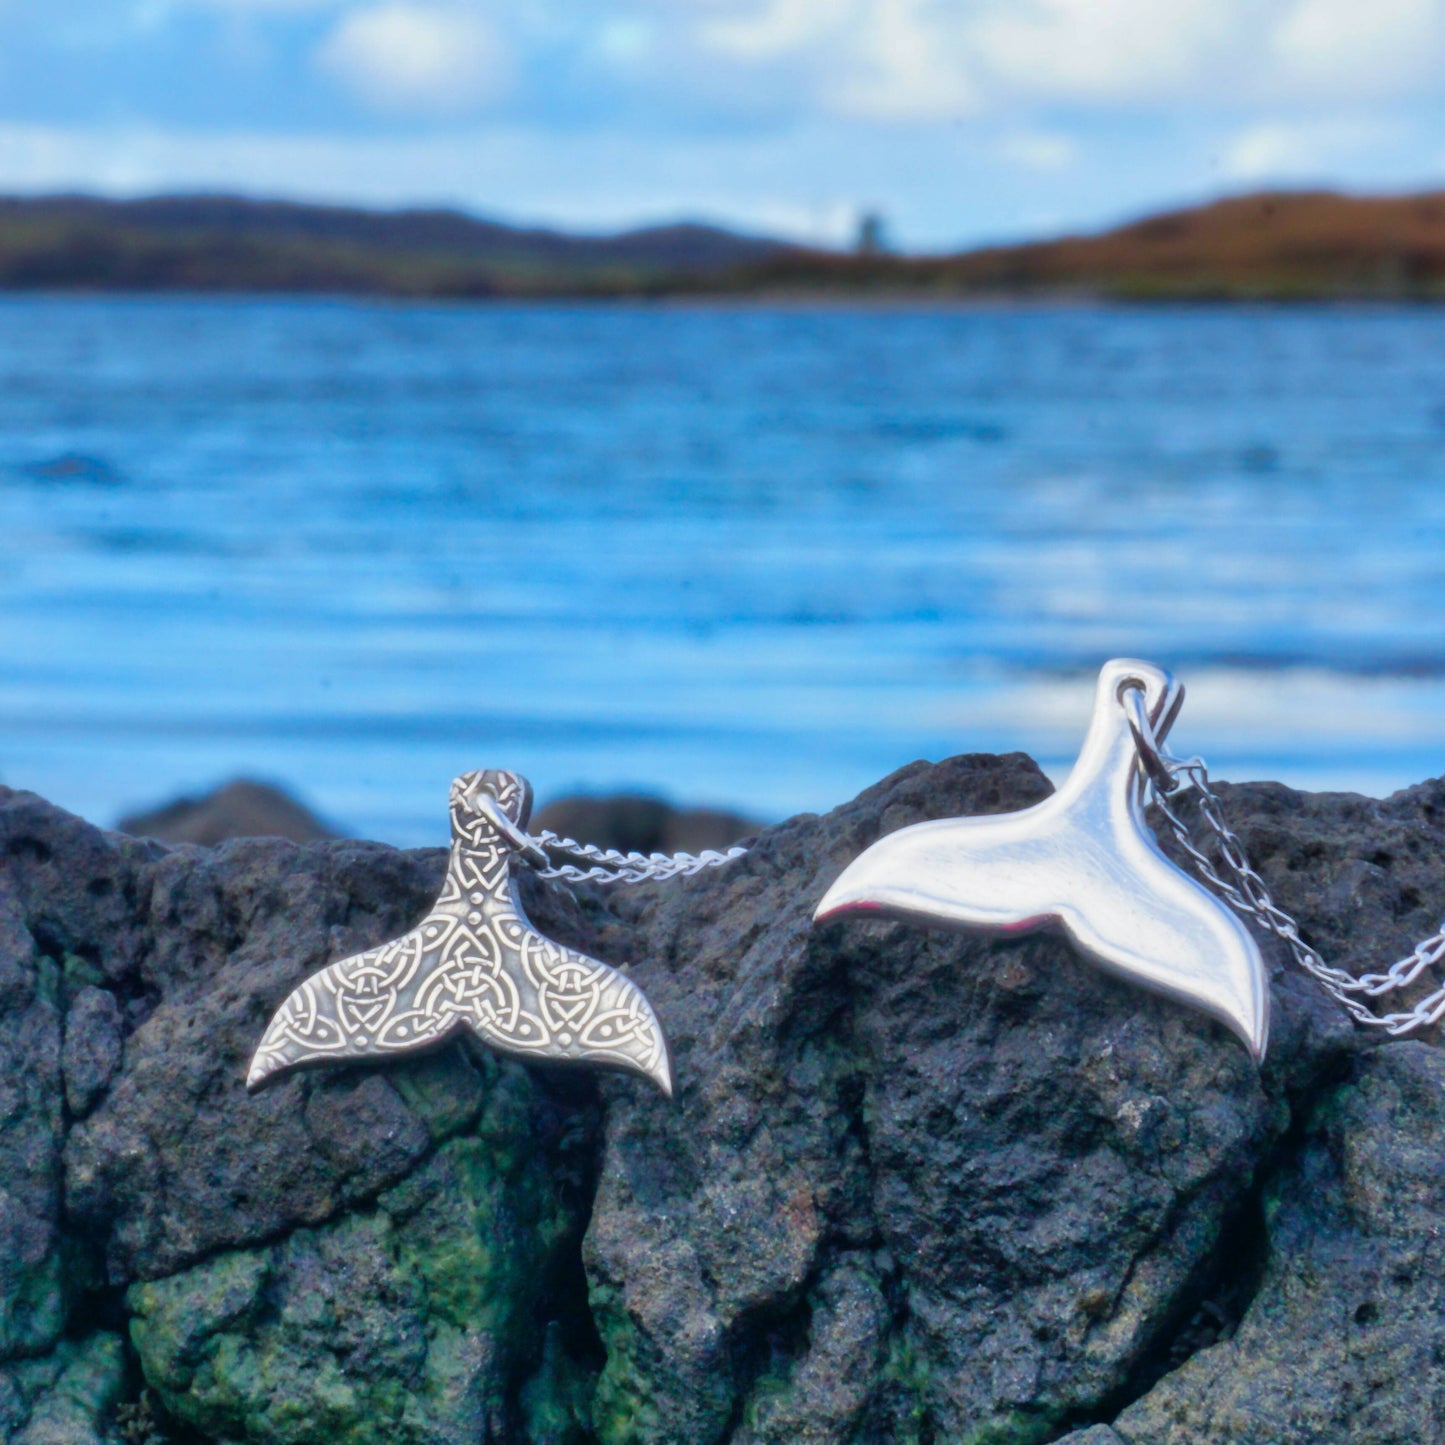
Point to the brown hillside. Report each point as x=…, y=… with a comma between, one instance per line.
x=1282, y=245
x=1275, y=243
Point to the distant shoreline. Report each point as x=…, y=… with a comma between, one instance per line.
x=1270, y=248
x=922, y=302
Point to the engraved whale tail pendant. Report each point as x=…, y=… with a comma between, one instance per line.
x=473, y=962
x=1084, y=860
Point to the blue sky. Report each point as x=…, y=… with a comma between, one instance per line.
x=960, y=120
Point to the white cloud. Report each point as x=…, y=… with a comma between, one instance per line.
x=773, y=28
x=1355, y=46
x=890, y=61
x=1295, y=150
x=1039, y=150
x=908, y=67
x=907, y=60
x=1104, y=49
x=418, y=58
x=893, y=60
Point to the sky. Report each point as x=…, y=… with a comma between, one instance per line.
x=959, y=121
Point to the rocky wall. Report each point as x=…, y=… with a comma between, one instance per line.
x=914, y=1186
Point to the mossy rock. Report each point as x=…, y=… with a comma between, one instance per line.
x=404, y=1324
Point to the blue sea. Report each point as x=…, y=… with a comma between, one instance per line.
x=755, y=556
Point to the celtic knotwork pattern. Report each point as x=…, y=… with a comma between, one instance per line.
x=474, y=960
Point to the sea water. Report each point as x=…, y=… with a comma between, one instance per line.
x=756, y=556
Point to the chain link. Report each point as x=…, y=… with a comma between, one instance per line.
x=1243, y=889
x=607, y=865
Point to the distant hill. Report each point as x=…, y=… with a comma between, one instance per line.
x=225, y=243
x=1277, y=245
x=1273, y=245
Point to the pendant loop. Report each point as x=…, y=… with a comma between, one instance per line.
x=522, y=842
x=1152, y=756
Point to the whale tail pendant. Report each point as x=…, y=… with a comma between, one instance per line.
x=1084, y=860
x=474, y=962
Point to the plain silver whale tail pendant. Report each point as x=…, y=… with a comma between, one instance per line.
x=1084, y=860
x=473, y=962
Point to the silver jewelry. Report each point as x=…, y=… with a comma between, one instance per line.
x=1173, y=780
x=1083, y=859
x=1087, y=861
x=475, y=961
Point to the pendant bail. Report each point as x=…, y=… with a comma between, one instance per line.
x=524, y=843
x=1152, y=755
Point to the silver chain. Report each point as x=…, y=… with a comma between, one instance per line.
x=607, y=865
x=604, y=865
x=1170, y=779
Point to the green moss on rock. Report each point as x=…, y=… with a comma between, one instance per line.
x=411, y=1323
x=67, y=1397
x=556, y=1403
x=32, y=1310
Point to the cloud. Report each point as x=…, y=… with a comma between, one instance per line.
x=1039, y=150
x=907, y=67
x=418, y=58
x=891, y=60
x=1353, y=47
x=1295, y=150
x=1104, y=50
x=907, y=60
x=774, y=28
x=1033, y=65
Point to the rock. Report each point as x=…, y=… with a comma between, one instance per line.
x=915, y=1186
x=32, y=1304
x=636, y=824
x=93, y=1044
x=1030, y=1164
x=240, y=809
x=375, y=1207
x=1345, y=1337
x=409, y=1321
x=68, y=1397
